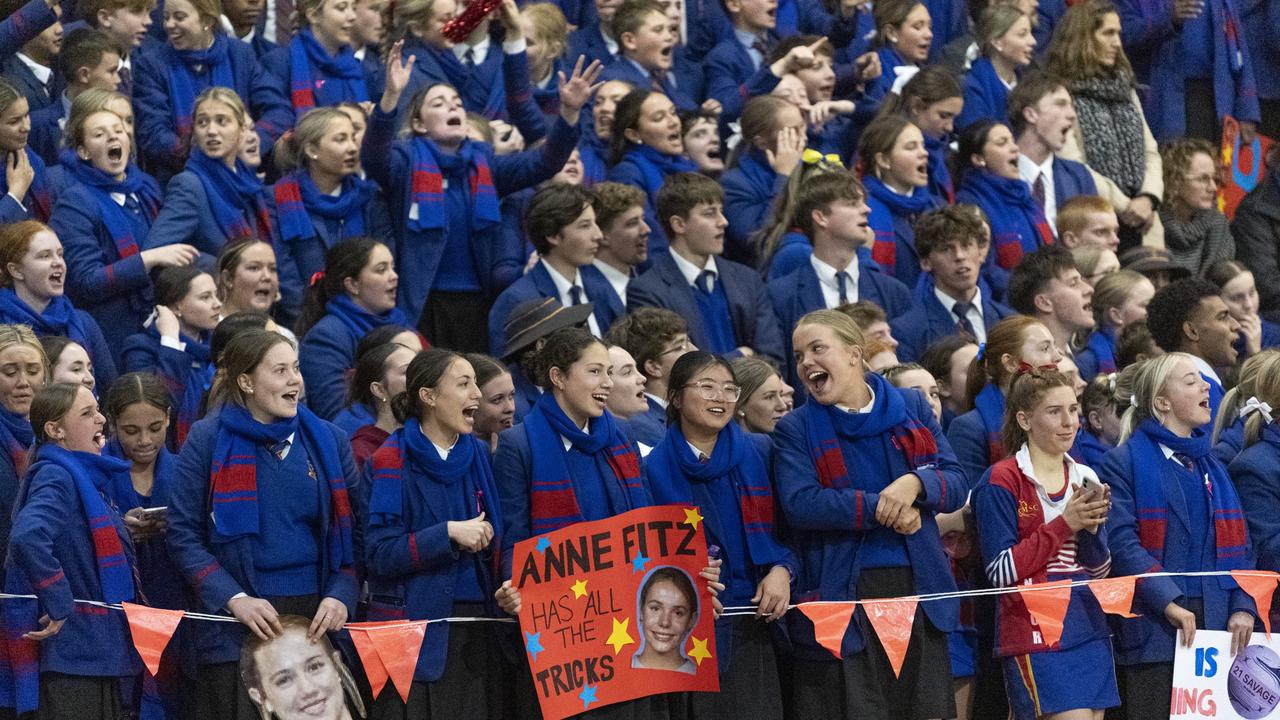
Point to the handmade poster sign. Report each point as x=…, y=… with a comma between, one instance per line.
x=1208, y=682
x=291, y=678
x=615, y=610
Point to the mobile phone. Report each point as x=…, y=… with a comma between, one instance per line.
x=155, y=512
x=1091, y=484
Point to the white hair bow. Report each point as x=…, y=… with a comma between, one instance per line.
x=904, y=74
x=1252, y=405
x=1133, y=401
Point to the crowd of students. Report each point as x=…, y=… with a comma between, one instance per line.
x=309, y=313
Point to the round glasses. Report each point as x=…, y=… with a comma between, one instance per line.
x=712, y=391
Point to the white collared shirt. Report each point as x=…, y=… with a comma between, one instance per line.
x=748, y=41
x=42, y=72
x=865, y=408
x=662, y=403
x=618, y=280
x=563, y=286
x=479, y=51
x=226, y=25
x=443, y=452
x=974, y=314
x=569, y=444
x=288, y=445
x=831, y=286
x=610, y=44
x=691, y=271
x=1029, y=171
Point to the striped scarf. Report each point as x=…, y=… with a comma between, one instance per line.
x=184, y=86
x=39, y=199
x=552, y=501
x=297, y=196
x=16, y=437
x=187, y=392
x=1018, y=225
x=317, y=78
x=990, y=406
x=235, y=197
x=884, y=249
x=118, y=220
x=426, y=189
x=235, y=479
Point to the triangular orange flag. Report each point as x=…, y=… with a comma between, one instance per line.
x=398, y=646
x=152, y=629
x=369, y=658
x=830, y=621
x=892, y=620
x=1047, y=603
x=1260, y=586
x=1115, y=595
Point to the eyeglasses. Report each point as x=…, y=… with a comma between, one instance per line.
x=712, y=391
x=682, y=348
x=1207, y=180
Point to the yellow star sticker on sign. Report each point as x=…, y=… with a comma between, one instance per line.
x=620, y=638
x=580, y=588
x=699, y=651
x=691, y=517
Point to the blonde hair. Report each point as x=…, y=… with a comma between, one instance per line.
x=1113, y=290
x=226, y=96
x=290, y=151
x=405, y=15
x=846, y=330
x=11, y=335
x=549, y=26
x=994, y=22
x=88, y=102
x=1149, y=380
x=1256, y=373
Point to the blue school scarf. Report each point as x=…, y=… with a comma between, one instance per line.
x=466, y=469
x=233, y=197
x=187, y=398
x=95, y=478
x=1018, y=225
x=677, y=476
x=884, y=250
x=990, y=406
x=754, y=166
x=126, y=498
x=426, y=188
x=16, y=437
x=183, y=88
x=1103, y=344
x=39, y=199
x=940, y=183
x=316, y=78
x=234, y=478
x=1148, y=464
x=114, y=216
x=360, y=321
x=657, y=166
x=552, y=502
x=297, y=196
x=59, y=318
x=1089, y=449
x=990, y=87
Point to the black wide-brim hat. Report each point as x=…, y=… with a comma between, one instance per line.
x=535, y=319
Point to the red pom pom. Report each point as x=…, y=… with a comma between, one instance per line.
x=459, y=28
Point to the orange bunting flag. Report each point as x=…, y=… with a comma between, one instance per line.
x=1047, y=603
x=892, y=620
x=830, y=621
x=152, y=629
x=1260, y=586
x=389, y=650
x=1115, y=595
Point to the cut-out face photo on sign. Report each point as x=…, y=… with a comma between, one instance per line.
x=291, y=678
x=667, y=609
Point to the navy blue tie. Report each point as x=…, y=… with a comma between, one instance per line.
x=575, y=295
x=961, y=311
x=842, y=284
x=705, y=279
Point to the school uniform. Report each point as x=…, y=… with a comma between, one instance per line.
x=1168, y=517
x=290, y=540
x=23, y=26
x=589, y=42
x=725, y=304
x=256, y=39
x=689, y=74
x=1098, y=355
x=1018, y=224
x=1253, y=472
x=891, y=219
x=37, y=204
x=69, y=543
x=38, y=83
x=1089, y=449
x=1270, y=338
x=749, y=189
x=650, y=426
x=976, y=435
x=209, y=205
x=1216, y=390
x=1059, y=180
x=542, y=282
x=365, y=441
x=846, y=555
x=704, y=25
x=986, y=95
x=890, y=60
x=594, y=154
x=417, y=573
x=733, y=491
x=628, y=70
x=310, y=77
x=934, y=315
x=737, y=69
x=61, y=318
x=47, y=124
x=446, y=205
x=169, y=81
x=328, y=351
x=185, y=365
x=1025, y=539
x=495, y=84
x=306, y=222
x=1230, y=441
x=102, y=223
x=16, y=437
x=647, y=168
x=352, y=417
x=527, y=392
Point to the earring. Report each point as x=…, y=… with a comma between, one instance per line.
x=314, y=157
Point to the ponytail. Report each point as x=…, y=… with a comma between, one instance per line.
x=342, y=261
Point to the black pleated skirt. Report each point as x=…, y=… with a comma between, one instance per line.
x=750, y=687
x=75, y=697
x=477, y=684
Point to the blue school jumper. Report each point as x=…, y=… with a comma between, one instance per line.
x=497, y=88
x=749, y=189
x=892, y=220
x=1230, y=442
x=420, y=253
x=627, y=70
x=24, y=25
x=537, y=283
x=328, y=353
x=59, y=318
x=1253, y=472
x=834, y=529
x=161, y=580
x=647, y=169
x=986, y=97
x=929, y=321
x=737, y=311
x=187, y=217
x=289, y=554
x=164, y=129
x=733, y=78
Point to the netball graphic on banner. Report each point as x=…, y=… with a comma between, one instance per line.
x=1208, y=682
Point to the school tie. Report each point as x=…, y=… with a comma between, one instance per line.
x=1037, y=190
x=126, y=81
x=761, y=47
x=961, y=311
x=705, y=279
x=1184, y=460
x=842, y=284
x=469, y=59
x=703, y=458
x=279, y=449
x=575, y=295
x=658, y=80
x=131, y=204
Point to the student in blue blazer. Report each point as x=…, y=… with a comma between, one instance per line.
x=57, y=552
x=705, y=459
x=319, y=68
x=647, y=50
x=35, y=74
x=774, y=136
x=862, y=469
x=738, y=67
x=24, y=25
x=175, y=346
x=105, y=213
x=450, y=301
x=251, y=534
x=904, y=37
x=22, y=354
x=931, y=100
x=356, y=294
x=896, y=175
x=27, y=195
x=1252, y=469
x=1119, y=299
x=726, y=304
x=217, y=199
x=321, y=202
x=33, y=280
x=1174, y=509
x=170, y=76
x=1041, y=115
x=949, y=298
x=562, y=227
x=596, y=41
x=434, y=541
x=524, y=332
x=1008, y=46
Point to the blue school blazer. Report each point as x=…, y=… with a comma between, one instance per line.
x=706, y=24
x=649, y=426
x=23, y=26
x=46, y=130
x=419, y=254
x=750, y=312
x=527, y=393
x=1253, y=472
x=1071, y=178
x=749, y=190
x=187, y=218
x=38, y=94
x=326, y=354
x=627, y=71
x=968, y=438
x=158, y=141
x=732, y=79
x=588, y=42
x=928, y=321
x=537, y=283
x=219, y=571
x=278, y=65
x=1149, y=637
